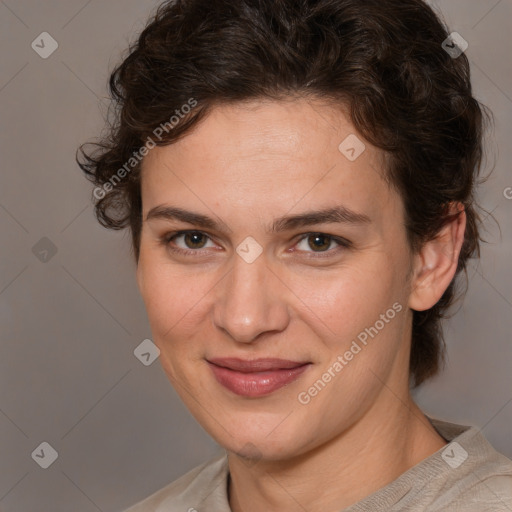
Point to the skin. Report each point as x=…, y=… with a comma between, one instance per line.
x=246, y=165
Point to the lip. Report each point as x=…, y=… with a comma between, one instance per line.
x=256, y=377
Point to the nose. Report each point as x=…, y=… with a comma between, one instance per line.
x=250, y=301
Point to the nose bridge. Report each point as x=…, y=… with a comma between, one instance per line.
x=249, y=302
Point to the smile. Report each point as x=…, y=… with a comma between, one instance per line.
x=257, y=377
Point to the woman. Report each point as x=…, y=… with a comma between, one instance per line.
x=298, y=178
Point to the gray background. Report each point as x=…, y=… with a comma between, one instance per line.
x=69, y=325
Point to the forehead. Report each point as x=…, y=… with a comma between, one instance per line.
x=266, y=156
x=259, y=129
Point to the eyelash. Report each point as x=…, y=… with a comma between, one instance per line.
x=169, y=237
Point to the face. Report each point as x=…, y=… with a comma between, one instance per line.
x=274, y=269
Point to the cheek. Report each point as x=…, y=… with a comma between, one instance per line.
x=344, y=301
x=174, y=298
x=171, y=300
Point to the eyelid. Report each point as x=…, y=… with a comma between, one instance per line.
x=342, y=243
x=168, y=237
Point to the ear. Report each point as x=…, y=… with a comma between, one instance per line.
x=436, y=263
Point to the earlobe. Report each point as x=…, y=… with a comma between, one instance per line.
x=436, y=263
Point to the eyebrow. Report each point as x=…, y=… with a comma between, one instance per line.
x=338, y=214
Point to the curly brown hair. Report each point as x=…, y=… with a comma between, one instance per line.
x=384, y=60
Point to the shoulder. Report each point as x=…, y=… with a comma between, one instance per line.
x=466, y=475
x=489, y=494
x=473, y=476
x=205, y=484
x=480, y=492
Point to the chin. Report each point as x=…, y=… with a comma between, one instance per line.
x=259, y=438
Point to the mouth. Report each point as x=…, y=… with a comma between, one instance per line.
x=256, y=377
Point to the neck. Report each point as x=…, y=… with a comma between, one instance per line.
x=387, y=441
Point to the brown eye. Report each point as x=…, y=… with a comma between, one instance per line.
x=187, y=242
x=319, y=242
x=322, y=245
x=194, y=240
